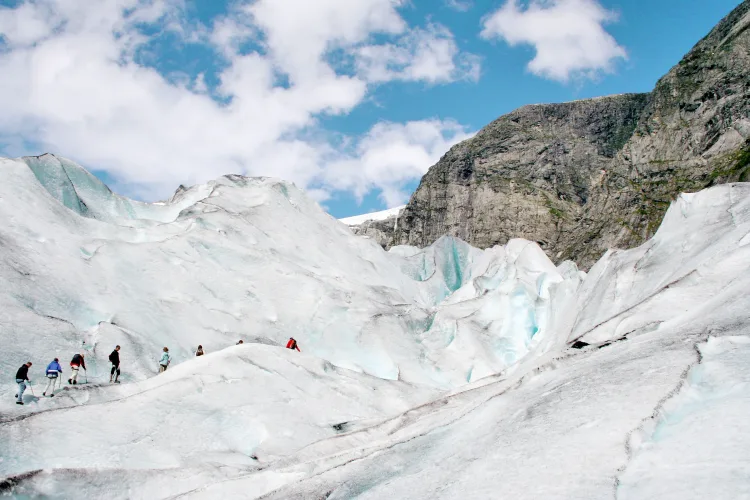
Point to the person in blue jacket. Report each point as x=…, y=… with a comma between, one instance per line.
x=53, y=371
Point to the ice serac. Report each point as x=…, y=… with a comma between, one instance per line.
x=82, y=192
x=492, y=303
x=585, y=176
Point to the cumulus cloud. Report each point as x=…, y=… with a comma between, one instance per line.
x=75, y=82
x=568, y=35
x=300, y=32
x=397, y=152
x=429, y=55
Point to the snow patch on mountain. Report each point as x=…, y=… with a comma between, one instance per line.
x=380, y=215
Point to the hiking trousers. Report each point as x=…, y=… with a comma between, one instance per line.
x=51, y=379
x=21, y=387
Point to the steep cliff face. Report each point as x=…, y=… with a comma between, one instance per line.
x=527, y=174
x=584, y=176
x=694, y=133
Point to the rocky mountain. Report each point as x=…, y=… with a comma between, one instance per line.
x=585, y=176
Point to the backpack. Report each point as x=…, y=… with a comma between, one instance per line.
x=294, y=345
x=76, y=360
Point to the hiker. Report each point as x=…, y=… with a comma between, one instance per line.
x=292, y=344
x=165, y=360
x=75, y=365
x=240, y=342
x=199, y=352
x=53, y=371
x=22, y=376
x=114, y=358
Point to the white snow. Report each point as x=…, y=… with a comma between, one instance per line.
x=356, y=220
x=443, y=372
x=695, y=448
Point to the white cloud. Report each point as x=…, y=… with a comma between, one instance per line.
x=392, y=155
x=459, y=5
x=568, y=35
x=26, y=24
x=300, y=32
x=429, y=55
x=72, y=84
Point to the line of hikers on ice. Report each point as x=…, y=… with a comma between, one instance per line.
x=54, y=370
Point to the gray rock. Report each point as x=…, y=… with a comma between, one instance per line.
x=380, y=231
x=584, y=176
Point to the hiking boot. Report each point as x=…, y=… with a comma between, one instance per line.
x=52, y=395
x=44, y=394
x=19, y=402
x=70, y=381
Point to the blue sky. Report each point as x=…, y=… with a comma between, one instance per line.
x=351, y=99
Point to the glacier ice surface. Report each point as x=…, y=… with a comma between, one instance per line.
x=443, y=372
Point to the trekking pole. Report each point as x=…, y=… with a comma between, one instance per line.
x=30, y=387
x=85, y=376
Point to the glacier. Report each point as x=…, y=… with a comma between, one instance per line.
x=443, y=372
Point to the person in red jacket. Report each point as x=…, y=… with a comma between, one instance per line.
x=76, y=364
x=292, y=344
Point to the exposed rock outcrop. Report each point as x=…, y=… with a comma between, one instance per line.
x=380, y=231
x=584, y=176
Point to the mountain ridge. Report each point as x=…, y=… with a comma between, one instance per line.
x=585, y=176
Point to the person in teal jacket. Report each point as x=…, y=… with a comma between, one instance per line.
x=165, y=360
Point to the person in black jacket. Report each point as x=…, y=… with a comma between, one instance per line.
x=114, y=358
x=22, y=376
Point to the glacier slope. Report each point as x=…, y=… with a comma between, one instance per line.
x=580, y=423
x=238, y=409
x=84, y=269
x=671, y=457
x=691, y=266
x=536, y=419
x=242, y=258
